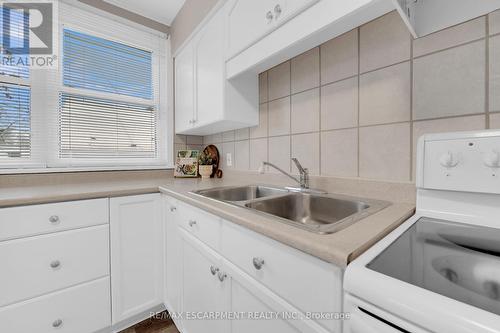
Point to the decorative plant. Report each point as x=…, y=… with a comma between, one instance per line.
x=205, y=159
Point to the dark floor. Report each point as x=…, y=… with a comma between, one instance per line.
x=154, y=325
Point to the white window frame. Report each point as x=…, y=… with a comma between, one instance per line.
x=47, y=85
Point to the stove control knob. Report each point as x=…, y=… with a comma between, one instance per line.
x=492, y=159
x=448, y=160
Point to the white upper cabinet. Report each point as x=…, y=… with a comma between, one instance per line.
x=263, y=34
x=425, y=17
x=205, y=102
x=262, y=16
x=184, y=89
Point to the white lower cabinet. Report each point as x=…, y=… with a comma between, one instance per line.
x=81, y=309
x=203, y=286
x=212, y=274
x=136, y=255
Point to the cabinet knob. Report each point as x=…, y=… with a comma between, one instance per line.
x=277, y=10
x=222, y=276
x=55, y=264
x=192, y=223
x=173, y=209
x=269, y=16
x=213, y=270
x=258, y=263
x=54, y=219
x=57, y=323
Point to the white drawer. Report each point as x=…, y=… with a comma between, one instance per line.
x=22, y=221
x=26, y=263
x=306, y=282
x=200, y=224
x=84, y=308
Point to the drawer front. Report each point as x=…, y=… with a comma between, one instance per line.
x=84, y=308
x=37, y=265
x=306, y=282
x=17, y=222
x=200, y=224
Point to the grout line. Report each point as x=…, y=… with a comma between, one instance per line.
x=412, y=162
x=290, y=123
x=487, y=75
x=450, y=47
x=358, y=171
x=320, y=171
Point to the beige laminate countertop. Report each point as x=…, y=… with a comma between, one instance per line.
x=339, y=248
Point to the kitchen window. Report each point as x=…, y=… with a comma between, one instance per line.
x=103, y=108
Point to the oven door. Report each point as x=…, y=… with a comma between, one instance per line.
x=364, y=318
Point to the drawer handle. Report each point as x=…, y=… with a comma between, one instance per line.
x=222, y=276
x=192, y=223
x=57, y=323
x=213, y=270
x=55, y=264
x=173, y=209
x=258, y=263
x=54, y=219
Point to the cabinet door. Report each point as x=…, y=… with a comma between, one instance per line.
x=172, y=258
x=247, y=23
x=184, y=89
x=210, y=71
x=245, y=300
x=202, y=291
x=136, y=254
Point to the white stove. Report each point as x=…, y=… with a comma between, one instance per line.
x=440, y=270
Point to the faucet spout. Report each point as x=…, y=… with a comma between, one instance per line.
x=303, y=180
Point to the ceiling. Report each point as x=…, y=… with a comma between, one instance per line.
x=163, y=11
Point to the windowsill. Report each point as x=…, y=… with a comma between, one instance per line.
x=81, y=169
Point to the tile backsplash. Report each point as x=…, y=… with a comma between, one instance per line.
x=356, y=105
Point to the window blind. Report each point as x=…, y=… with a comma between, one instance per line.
x=15, y=129
x=99, y=64
x=16, y=23
x=99, y=128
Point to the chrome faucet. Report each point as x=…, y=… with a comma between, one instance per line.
x=303, y=179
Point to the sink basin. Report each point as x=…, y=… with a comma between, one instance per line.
x=241, y=193
x=317, y=213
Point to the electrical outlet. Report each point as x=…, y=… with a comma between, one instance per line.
x=229, y=160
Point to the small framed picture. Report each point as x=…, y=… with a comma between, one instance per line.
x=186, y=163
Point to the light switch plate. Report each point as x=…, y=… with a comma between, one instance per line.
x=229, y=160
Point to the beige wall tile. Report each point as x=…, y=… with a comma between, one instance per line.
x=495, y=73
x=195, y=147
x=279, y=81
x=495, y=120
x=385, y=95
x=453, y=36
x=458, y=124
x=339, y=57
x=242, y=155
x=339, y=153
x=339, y=104
x=263, y=96
x=261, y=130
x=305, y=111
x=258, y=153
x=180, y=139
x=279, y=152
x=242, y=134
x=305, y=147
x=305, y=71
x=227, y=148
x=384, y=152
x=279, y=116
x=494, y=22
x=450, y=82
x=384, y=41
x=194, y=140
x=228, y=136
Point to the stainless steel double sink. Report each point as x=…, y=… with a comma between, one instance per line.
x=315, y=212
